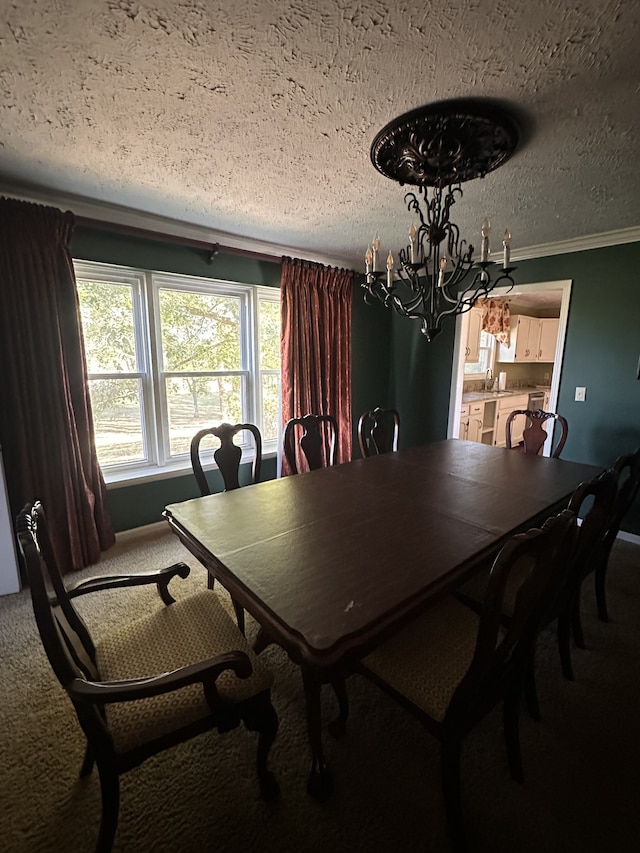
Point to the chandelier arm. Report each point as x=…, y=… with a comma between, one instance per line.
x=414, y=205
x=435, y=149
x=407, y=309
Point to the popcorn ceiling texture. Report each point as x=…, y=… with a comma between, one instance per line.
x=255, y=117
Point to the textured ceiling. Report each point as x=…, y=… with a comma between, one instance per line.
x=255, y=117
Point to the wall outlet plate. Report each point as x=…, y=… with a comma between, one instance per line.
x=581, y=395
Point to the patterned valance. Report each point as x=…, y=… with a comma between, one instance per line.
x=496, y=318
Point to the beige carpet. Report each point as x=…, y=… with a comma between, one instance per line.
x=582, y=763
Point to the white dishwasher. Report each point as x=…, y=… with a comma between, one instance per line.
x=536, y=401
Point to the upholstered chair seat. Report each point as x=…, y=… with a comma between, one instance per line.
x=192, y=629
x=428, y=659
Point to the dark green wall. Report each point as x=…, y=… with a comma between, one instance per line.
x=421, y=381
x=393, y=365
x=142, y=503
x=371, y=356
x=601, y=352
x=110, y=247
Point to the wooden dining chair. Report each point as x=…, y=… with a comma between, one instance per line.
x=378, y=431
x=451, y=665
x=227, y=456
x=318, y=443
x=628, y=470
x=172, y=672
x=535, y=435
x=591, y=501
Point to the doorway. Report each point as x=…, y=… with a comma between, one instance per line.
x=523, y=298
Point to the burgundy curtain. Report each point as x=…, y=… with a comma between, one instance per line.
x=46, y=428
x=316, y=346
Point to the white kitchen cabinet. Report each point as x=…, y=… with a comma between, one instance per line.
x=506, y=405
x=477, y=421
x=548, y=338
x=525, y=339
x=489, y=421
x=532, y=339
x=474, y=328
x=476, y=415
x=463, y=431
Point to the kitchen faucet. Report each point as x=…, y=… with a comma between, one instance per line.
x=488, y=380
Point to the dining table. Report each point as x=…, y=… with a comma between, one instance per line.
x=331, y=562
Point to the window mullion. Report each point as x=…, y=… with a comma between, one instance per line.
x=249, y=333
x=144, y=329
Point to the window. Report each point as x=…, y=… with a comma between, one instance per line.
x=479, y=368
x=168, y=355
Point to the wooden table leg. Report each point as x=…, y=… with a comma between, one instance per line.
x=338, y=726
x=320, y=783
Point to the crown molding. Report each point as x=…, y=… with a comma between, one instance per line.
x=131, y=218
x=578, y=244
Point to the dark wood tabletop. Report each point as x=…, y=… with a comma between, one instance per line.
x=328, y=562
x=326, y=559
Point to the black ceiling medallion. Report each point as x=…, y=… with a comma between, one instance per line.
x=439, y=146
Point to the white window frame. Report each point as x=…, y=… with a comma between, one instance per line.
x=266, y=294
x=146, y=286
x=490, y=360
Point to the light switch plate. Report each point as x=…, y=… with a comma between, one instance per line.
x=581, y=395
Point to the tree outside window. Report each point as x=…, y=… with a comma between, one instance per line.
x=169, y=355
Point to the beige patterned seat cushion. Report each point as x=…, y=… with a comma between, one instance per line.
x=427, y=660
x=190, y=630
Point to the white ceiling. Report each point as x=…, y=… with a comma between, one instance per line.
x=254, y=118
x=543, y=303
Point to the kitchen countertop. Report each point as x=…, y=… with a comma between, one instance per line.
x=477, y=396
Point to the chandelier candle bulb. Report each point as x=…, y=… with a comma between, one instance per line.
x=367, y=261
x=443, y=264
x=389, y=270
x=484, y=251
x=414, y=243
x=376, y=249
x=507, y=251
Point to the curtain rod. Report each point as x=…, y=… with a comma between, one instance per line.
x=212, y=249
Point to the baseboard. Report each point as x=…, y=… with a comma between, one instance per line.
x=155, y=529
x=629, y=537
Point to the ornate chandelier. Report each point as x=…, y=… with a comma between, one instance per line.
x=436, y=148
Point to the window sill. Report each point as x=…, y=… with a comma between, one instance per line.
x=134, y=476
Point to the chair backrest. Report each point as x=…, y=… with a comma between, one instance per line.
x=378, y=431
x=319, y=441
x=64, y=635
x=594, y=502
x=541, y=556
x=535, y=435
x=227, y=456
x=627, y=468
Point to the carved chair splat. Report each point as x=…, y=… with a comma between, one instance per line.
x=535, y=435
x=378, y=431
x=319, y=441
